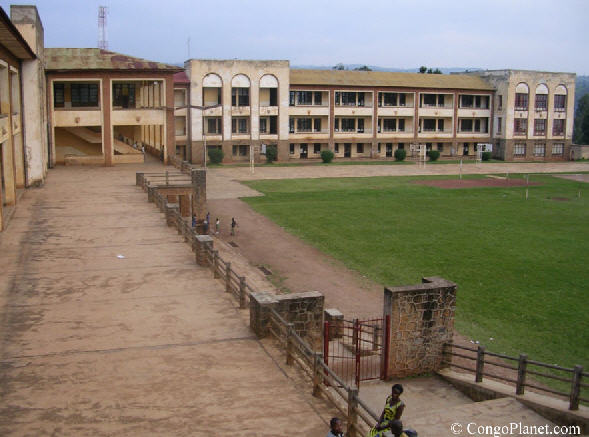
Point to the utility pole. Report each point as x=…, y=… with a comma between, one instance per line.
x=102, y=41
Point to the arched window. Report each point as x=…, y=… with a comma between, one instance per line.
x=521, y=96
x=560, y=98
x=240, y=90
x=211, y=89
x=268, y=90
x=541, y=97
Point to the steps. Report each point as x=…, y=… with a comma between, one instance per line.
x=92, y=137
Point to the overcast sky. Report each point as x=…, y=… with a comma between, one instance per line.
x=551, y=35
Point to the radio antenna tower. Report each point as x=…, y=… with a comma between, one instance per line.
x=102, y=42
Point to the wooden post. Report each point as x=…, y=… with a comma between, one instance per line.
x=242, y=292
x=480, y=364
x=576, y=388
x=228, y=277
x=316, y=373
x=289, y=344
x=352, y=430
x=215, y=264
x=521, y=374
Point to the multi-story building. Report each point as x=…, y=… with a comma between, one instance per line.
x=181, y=111
x=534, y=114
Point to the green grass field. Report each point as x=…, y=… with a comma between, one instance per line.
x=522, y=267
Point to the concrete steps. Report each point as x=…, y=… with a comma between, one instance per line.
x=92, y=137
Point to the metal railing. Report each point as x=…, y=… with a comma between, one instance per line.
x=520, y=370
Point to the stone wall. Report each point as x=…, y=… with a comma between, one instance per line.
x=422, y=320
x=304, y=310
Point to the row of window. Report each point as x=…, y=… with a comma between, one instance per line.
x=520, y=126
x=519, y=149
x=86, y=95
x=541, y=102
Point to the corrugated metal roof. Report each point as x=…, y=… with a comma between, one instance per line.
x=387, y=79
x=181, y=78
x=68, y=59
x=11, y=38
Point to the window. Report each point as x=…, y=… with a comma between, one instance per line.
x=348, y=98
x=291, y=98
x=361, y=125
x=273, y=124
x=560, y=102
x=440, y=147
x=378, y=148
x=317, y=98
x=337, y=97
x=558, y=127
x=336, y=147
x=316, y=148
x=243, y=149
x=58, y=95
x=389, y=124
x=539, y=126
x=389, y=99
x=429, y=124
x=303, y=125
x=239, y=125
x=235, y=150
x=361, y=99
x=348, y=125
x=429, y=100
x=84, y=94
x=441, y=100
x=477, y=125
x=304, y=98
x=262, y=125
x=500, y=103
x=539, y=149
x=213, y=125
x=317, y=124
x=557, y=148
x=336, y=125
x=520, y=126
x=401, y=125
x=519, y=149
x=466, y=125
x=541, y=102
x=401, y=146
x=466, y=101
x=521, y=102
x=402, y=99
x=240, y=96
x=440, y=125
x=291, y=123
x=124, y=95
x=291, y=149
x=499, y=124
x=273, y=97
x=360, y=148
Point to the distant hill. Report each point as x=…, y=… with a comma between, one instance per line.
x=445, y=70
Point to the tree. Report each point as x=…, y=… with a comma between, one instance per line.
x=581, y=131
x=437, y=71
x=422, y=69
x=339, y=66
x=363, y=68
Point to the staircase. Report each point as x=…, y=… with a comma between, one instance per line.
x=92, y=137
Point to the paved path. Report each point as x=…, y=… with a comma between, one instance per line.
x=109, y=328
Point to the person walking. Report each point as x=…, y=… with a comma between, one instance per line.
x=233, y=226
x=336, y=428
x=206, y=227
x=217, y=226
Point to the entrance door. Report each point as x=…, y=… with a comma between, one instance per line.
x=389, y=150
x=465, y=149
x=304, y=151
x=347, y=150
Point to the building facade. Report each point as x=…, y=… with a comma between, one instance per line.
x=245, y=106
x=534, y=114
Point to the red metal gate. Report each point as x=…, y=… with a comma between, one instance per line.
x=357, y=350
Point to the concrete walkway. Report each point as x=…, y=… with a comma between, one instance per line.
x=109, y=328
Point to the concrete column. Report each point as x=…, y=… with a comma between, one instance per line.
x=8, y=171
x=184, y=201
x=107, y=135
x=203, y=243
x=169, y=133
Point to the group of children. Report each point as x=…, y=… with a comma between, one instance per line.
x=389, y=424
x=207, y=222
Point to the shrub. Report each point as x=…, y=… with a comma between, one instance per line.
x=400, y=154
x=216, y=156
x=271, y=154
x=433, y=155
x=327, y=156
x=486, y=156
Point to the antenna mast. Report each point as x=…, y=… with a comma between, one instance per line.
x=102, y=42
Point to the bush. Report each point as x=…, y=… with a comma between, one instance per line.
x=216, y=156
x=327, y=156
x=486, y=156
x=271, y=154
x=433, y=155
x=400, y=154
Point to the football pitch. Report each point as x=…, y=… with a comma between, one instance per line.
x=521, y=265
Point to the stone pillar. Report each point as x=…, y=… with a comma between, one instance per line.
x=184, y=201
x=260, y=304
x=203, y=242
x=170, y=215
x=199, y=197
x=336, y=322
x=422, y=320
x=150, y=194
